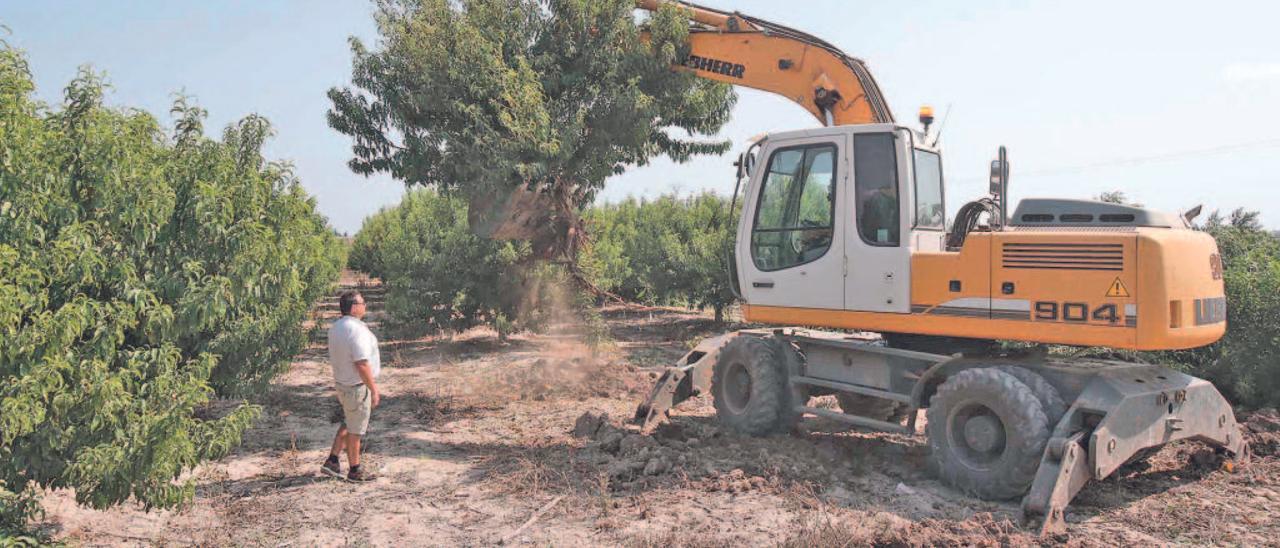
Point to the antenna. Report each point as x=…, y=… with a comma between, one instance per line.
x=941, y=126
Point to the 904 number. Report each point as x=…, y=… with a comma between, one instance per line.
x=1052, y=311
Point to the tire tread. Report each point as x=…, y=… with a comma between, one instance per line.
x=1026, y=418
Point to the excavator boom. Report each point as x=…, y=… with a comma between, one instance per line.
x=745, y=51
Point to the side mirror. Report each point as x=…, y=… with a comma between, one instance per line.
x=997, y=178
x=745, y=163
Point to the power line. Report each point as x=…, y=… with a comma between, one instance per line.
x=1139, y=160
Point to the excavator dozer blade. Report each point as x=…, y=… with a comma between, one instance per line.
x=1121, y=412
x=688, y=378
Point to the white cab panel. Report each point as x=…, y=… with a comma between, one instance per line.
x=879, y=273
x=790, y=245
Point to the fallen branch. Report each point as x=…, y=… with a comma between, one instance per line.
x=581, y=279
x=532, y=519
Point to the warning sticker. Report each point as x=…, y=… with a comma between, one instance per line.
x=1117, y=289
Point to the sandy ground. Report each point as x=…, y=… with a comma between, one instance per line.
x=475, y=443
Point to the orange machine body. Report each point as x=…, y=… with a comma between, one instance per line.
x=1131, y=288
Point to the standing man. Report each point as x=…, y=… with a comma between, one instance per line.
x=353, y=354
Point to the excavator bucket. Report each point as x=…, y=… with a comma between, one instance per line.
x=688, y=378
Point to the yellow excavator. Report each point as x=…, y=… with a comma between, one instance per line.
x=843, y=228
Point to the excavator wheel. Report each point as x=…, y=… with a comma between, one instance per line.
x=1052, y=402
x=749, y=386
x=987, y=432
x=871, y=407
x=796, y=394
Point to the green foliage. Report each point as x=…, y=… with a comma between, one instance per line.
x=1116, y=197
x=141, y=275
x=1245, y=364
x=666, y=251
x=441, y=277
x=364, y=255
x=17, y=510
x=484, y=96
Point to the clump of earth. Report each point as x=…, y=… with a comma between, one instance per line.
x=686, y=451
x=1262, y=427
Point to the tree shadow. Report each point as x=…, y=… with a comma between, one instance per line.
x=1134, y=483
x=260, y=485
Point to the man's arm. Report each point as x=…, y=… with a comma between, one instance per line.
x=366, y=375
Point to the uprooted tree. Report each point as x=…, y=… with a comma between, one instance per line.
x=525, y=107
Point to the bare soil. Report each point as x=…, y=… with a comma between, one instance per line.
x=484, y=442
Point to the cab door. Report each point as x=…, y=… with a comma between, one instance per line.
x=791, y=245
x=877, y=234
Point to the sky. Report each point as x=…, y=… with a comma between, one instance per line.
x=1172, y=102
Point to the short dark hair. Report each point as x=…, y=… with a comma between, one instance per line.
x=347, y=300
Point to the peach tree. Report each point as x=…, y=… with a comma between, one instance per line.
x=480, y=97
x=144, y=274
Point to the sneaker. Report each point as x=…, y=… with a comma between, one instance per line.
x=360, y=475
x=331, y=469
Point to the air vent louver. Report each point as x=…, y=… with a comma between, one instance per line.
x=1064, y=256
x=1076, y=218
x=1116, y=218
x=1037, y=218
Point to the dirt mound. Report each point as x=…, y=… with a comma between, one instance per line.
x=628, y=456
x=1263, y=420
x=697, y=454
x=1262, y=427
x=981, y=529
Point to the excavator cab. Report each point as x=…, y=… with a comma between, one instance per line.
x=831, y=217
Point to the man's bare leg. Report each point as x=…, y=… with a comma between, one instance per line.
x=353, y=449
x=339, y=441
x=331, y=465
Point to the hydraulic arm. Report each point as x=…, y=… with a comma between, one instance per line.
x=745, y=51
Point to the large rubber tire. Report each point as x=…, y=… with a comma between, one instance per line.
x=749, y=386
x=871, y=407
x=1050, y=401
x=795, y=394
x=987, y=432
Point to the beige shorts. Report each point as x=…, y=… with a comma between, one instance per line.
x=356, y=406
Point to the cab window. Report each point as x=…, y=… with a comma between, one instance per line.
x=793, y=223
x=875, y=173
x=930, y=213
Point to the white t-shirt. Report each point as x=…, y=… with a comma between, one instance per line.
x=349, y=342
